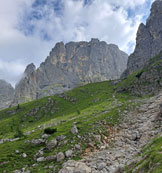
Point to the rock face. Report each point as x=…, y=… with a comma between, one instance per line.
x=6, y=94
x=148, y=41
x=70, y=65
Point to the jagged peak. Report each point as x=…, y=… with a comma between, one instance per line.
x=59, y=47
x=113, y=46
x=156, y=6
x=156, y=9
x=30, y=69
x=94, y=40
x=59, y=44
x=2, y=81
x=148, y=40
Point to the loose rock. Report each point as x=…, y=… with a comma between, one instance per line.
x=74, y=130
x=60, y=156
x=24, y=155
x=51, y=158
x=41, y=159
x=75, y=167
x=68, y=153
x=52, y=144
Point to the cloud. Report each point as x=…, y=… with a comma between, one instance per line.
x=107, y=20
x=11, y=70
x=32, y=27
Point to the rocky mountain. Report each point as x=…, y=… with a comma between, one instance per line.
x=106, y=127
x=6, y=94
x=70, y=65
x=148, y=41
x=90, y=129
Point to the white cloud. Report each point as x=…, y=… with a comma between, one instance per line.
x=99, y=19
x=11, y=70
x=79, y=22
x=127, y=3
x=107, y=20
x=153, y=1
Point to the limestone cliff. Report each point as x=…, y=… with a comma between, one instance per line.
x=6, y=94
x=148, y=41
x=70, y=65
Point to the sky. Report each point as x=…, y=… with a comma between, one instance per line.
x=30, y=28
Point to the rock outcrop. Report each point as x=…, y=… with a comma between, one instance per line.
x=148, y=41
x=69, y=66
x=147, y=81
x=6, y=94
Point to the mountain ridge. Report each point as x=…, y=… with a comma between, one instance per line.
x=70, y=65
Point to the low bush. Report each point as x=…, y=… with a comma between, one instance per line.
x=19, y=133
x=50, y=131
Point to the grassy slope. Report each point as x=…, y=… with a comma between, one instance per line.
x=151, y=158
x=93, y=107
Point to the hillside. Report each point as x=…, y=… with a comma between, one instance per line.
x=150, y=158
x=79, y=117
x=92, y=108
x=43, y=134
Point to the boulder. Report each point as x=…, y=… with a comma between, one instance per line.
x=41, y=159
x=51, y=158
x=24, y=155
x=77, y=146
x=60, y=156
x=60, y=138
x=135, y=136
x=69, y=153
x=72, y=166
x=101, y=165
x=37, y=141
x=45, y=136
x=51, y=144
x=74, y=130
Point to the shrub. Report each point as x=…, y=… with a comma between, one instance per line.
x=139, y=74
x=18, y=107
x=18, y=133
x=12, y=128
x=50, y=131
x=78, y=112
